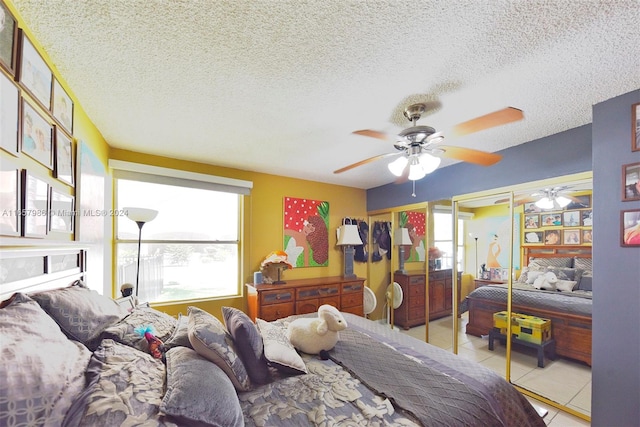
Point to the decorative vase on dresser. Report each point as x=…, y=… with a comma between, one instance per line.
x=412, y=311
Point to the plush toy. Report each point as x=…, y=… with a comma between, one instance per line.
x=312, y=335
x=156, y=346
x=546, y=281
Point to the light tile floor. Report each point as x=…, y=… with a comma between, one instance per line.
x=561, y=380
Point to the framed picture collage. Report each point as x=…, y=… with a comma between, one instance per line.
x=37, y=147
x=572, y=226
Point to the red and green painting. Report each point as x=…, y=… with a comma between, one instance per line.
x=306, y=232
x=415, y=222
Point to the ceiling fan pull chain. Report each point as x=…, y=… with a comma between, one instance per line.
x=414, y=189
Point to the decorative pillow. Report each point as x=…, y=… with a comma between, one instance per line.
x=553, y=262
x=209, y=338
x=180, y=335
x=42, y=371
x=198, y=391
x=566, y=285
x=278, y=350
x=585, y=281
x=583, y=263
x=526, y=271
x=563, y=273
x=81, y=313
x=124, y=331
x=248, y=342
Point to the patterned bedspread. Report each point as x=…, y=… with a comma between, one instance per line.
x=577, y=302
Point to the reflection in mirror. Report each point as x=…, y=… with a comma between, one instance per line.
x=550, y=354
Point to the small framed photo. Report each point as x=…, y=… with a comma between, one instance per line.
x=64, y=159
x=10, y=106
x=10, y=200
x=587, y=217
x=61, y=213
x=531, y=207
x=571, y=218
x=36, y=134
x=552, y=237
x=532, y=221
x=587, y=236
x=579, y=202
x=630, y=227
x=62, y=107
x=631, y=180
x=571, y=236
x=8, y=39
x=34, y=74
x=533, y=237
x=551, y=219
x=36, y=206
x=635, y=127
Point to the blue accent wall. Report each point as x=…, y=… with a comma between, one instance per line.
x=616, y=272
x=564, y=153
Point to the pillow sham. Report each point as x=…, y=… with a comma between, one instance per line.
x=248, y=342
x=210, y=339
x=585, y=283
x=198, y=391
x=278, y=349
x=564, y=273
x=566, y=285
x=583, y=263
x=180, y=335
x=81, y=313
x=124, y=330
x=553, y=262
x=42, y=370
x=526, y=271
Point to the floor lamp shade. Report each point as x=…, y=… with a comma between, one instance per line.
x=140, y=216
x=348, y=237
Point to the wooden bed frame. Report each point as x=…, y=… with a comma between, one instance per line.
x=572, y=332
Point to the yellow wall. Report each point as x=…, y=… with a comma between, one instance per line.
x=263, y=210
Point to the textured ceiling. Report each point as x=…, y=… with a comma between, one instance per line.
x=278, y=86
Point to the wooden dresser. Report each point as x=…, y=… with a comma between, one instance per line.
x=271, y=302
x=412, y=311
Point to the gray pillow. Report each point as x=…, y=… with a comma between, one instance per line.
x=563, y=273
x=585, y=283
x=81, y=313
x=199, y=392
x=210, y=339
x=248, y=342
x=180, y=335
x=42, y=371
x=530, y=272
x=583, y=263
x=278, y=349
x=554, y=262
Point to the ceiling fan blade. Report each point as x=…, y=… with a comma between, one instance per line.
x=470, y=155
x=364, y=162
x=497, y=118
x=373, y=134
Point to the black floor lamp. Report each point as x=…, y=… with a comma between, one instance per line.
x=140, y=216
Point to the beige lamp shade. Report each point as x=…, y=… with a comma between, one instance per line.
x=401, y=237
x=349, y=235
x=140, y=214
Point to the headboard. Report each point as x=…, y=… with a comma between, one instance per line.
x=38, y=269
x=552, y=251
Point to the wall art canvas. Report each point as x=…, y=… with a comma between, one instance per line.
x=630, y=227
x=8, y=37
x=9, y=107
x=415, y=223
x=493, y=242
x=37, y=141
x=306, y=232
x=36, y=206
x=35, y=75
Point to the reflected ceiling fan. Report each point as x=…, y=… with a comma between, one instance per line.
x=419, y=148
x=546, y=199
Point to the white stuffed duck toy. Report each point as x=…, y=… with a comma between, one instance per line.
x=312, y=335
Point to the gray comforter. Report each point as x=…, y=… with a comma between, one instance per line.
x=577, y=302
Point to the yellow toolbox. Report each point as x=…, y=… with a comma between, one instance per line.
x=524, y=327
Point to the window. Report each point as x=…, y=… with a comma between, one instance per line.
x=443, y=238
x=190, y=250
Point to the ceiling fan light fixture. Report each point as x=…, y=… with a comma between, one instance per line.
x=397, y=166
x=562, y=201
x=416, y=171
x=545, y=203
x=429, y=162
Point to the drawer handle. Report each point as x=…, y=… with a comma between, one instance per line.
x=278, y=296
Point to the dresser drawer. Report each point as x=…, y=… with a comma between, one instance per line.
x=357, y=310
x=417, y=280
x=276, y=297
x=276, y=311
x=352, y=287
x=317, y=292
x=351, y=299
x=417, y=313
x=416, y=291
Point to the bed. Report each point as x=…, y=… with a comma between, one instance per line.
x=72, y=357
x=569, y=310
